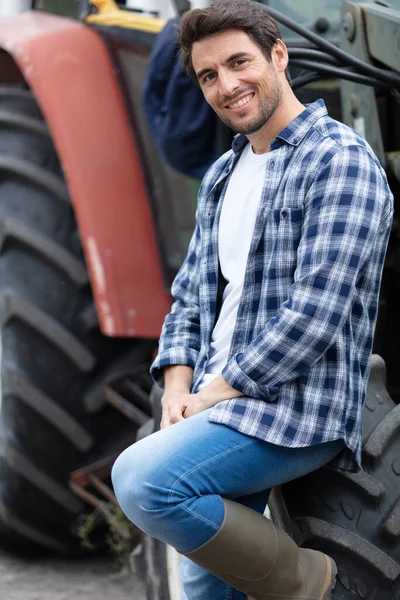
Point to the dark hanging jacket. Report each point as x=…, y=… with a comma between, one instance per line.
x=182, y=123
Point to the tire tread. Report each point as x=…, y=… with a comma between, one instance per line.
x=35, y=175
x=18, y=387
x=318, y=530
x=36, y=242
x=48, y=328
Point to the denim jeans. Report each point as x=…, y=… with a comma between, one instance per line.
x=171, y=486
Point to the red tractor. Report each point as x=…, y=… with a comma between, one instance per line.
x=94, y=224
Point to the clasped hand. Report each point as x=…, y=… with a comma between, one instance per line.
x=179, y=406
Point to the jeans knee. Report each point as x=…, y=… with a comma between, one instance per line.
x=122, y=480
x=138, y=487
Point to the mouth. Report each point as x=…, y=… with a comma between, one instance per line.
x=241, y=103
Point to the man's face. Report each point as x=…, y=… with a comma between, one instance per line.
x=237, y=80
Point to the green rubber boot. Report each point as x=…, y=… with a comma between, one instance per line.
x=252, y=555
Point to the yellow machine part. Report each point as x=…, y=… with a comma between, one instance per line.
x=109, y=14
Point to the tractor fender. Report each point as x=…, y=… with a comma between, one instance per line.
x=67, y=66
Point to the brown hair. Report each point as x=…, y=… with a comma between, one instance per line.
x=245, y=15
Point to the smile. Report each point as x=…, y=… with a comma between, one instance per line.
x=242, y=102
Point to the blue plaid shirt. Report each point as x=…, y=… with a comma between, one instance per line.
x=302, y=343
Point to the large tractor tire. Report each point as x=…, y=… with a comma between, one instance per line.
x=53, y=417
x=354, y=518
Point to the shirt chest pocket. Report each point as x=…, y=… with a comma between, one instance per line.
x=285, y=229
x=282, y=236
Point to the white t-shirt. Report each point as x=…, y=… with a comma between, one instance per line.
x=236, y=227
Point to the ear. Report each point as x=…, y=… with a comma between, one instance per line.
x=280, y=55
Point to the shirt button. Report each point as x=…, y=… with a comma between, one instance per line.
x=284, y=213
x=272, y=164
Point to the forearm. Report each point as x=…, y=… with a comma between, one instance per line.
x=179, y=345
x=179, y=342
x=178, y=378
x=215, y=392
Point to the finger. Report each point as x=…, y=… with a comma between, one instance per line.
x=175, y=416
x=165, y=421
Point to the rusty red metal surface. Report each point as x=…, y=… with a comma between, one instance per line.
x=68, y=68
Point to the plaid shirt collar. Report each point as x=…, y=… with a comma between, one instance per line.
x=292, y=134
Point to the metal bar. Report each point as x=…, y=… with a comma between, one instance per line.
x=103, y=489
x=101, y=507
x=101, y=469
x=137, y=391
x=126, y=408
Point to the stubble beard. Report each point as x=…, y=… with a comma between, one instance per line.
x=266, y=111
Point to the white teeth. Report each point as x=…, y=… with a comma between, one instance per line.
x=241, y=102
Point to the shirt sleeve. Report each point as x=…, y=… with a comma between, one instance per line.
x=180, y=336
x=347, y=206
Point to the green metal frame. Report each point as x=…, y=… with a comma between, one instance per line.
x=382, y=27
x=371, y=33
x=65, y=8
x=359, y=106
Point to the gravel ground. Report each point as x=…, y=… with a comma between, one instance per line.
x=56, y=579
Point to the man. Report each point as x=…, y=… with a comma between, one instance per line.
x=265, y=355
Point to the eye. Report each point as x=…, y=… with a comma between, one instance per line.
x=239, y=62
x=208, y=77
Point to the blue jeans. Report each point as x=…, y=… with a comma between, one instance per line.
x=171, y=486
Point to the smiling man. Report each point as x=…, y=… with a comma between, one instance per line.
x=249, y=102
x=265, y=355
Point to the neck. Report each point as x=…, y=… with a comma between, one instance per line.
x=288, y=109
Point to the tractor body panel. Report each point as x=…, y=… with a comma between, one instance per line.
x=69, y=69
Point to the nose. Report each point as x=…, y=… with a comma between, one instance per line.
x=228, y=84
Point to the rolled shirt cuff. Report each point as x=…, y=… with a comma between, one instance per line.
x=174, y=356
